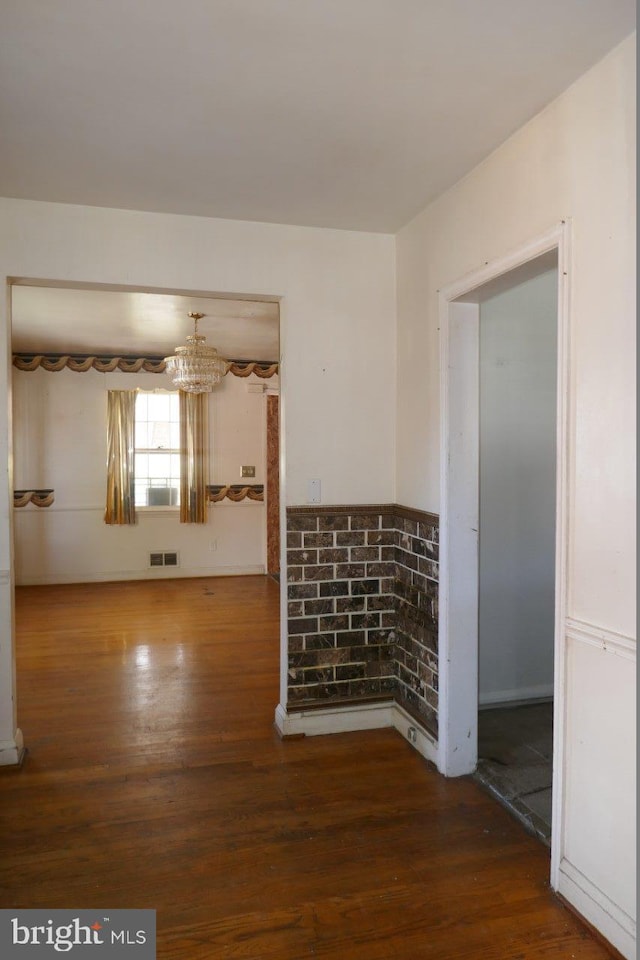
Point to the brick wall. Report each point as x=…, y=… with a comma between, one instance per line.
x=362, y=594
x=416, y=591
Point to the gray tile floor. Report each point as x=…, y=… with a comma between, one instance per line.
x=515, y=750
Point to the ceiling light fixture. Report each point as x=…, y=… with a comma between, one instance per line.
x=195, y=367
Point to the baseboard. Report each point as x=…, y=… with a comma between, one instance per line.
x=595, y=933
x=348, y=719
x=12, y=751
x=157, y=573
x=415, y=734
x=597, y=909
x=315, y=723
x=499, y=697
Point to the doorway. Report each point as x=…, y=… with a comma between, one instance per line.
x=516, y=563
x=465, y=585
x=59, y=419
x=73, y=344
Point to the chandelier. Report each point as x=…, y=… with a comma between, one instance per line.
x=196, y=368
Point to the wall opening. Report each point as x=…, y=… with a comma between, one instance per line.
x=60, y=434
x=459, y=598
x=517, y=528
x=61, y=538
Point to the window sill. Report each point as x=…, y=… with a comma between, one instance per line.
x=157, y=511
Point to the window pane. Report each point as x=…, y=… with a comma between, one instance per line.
x=142, y=433
x=160, y=435
x=141, y=406
x=159, y=406
x=159, y=465
x=157, y=474
x=163, y=496
x=156, y=493
x=141, y=493
x=141, y=466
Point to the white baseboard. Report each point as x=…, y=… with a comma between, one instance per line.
x=423, y=741
x=11, y=750
x=366, y=716
x=314, y=723
x=612, y=922
x=542, y=692
x=157, y=573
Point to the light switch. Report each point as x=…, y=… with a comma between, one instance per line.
x=247, y=471
x=313, y=492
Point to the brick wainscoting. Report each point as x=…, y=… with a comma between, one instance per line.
x=362, y=585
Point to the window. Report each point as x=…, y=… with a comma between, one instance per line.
x=157, y=449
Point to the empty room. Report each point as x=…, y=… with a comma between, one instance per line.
x=317, y=554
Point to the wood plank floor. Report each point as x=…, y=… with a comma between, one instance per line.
x=155, y=779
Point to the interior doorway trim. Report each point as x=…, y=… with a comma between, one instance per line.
x=12, y=747
x=459, y=451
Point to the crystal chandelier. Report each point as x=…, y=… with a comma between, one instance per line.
x=195, y=367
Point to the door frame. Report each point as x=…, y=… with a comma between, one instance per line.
x=12, y=749
x=459, y=468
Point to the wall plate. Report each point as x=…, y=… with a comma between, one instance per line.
x=313, y=491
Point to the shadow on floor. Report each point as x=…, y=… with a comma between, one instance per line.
x=515, y=752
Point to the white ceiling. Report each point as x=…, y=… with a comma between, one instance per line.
x=121, y=323
x=341, y=113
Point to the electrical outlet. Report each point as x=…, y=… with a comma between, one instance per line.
x=247, y=471
x=213, y=545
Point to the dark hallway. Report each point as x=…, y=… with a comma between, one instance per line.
x=515, y=753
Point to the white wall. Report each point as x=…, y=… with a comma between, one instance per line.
x=575, y=160
x=516, y=610
x=337, y=324
x=337, y=316
x=60, y=442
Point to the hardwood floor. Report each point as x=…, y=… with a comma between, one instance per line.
x=155, y=779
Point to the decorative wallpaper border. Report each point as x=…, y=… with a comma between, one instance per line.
x=235, y=492
x=39, y=498
x=82, y=363
x=245, y=369
x=215, y=493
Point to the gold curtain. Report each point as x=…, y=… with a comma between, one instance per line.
x=121, y=405
x=193, y=457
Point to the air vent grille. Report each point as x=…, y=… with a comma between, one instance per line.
x=167, y=559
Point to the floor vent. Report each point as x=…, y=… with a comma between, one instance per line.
x=169, y=559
